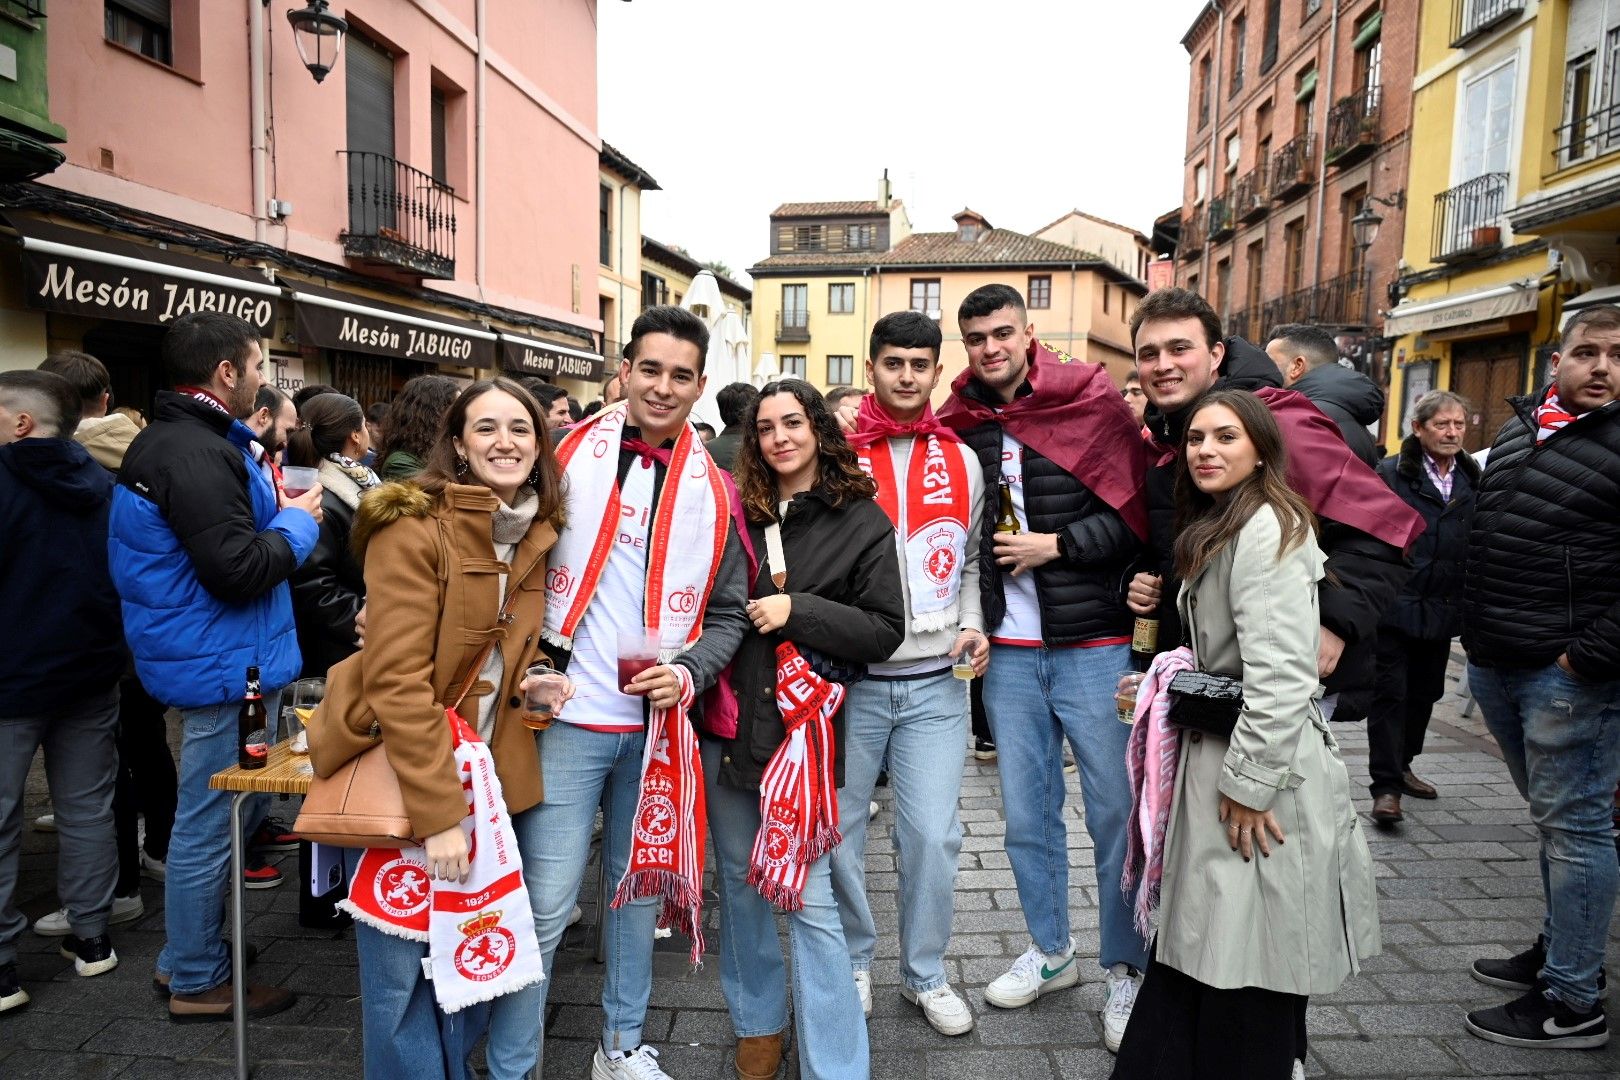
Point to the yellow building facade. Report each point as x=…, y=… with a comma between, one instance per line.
x=1513, y=219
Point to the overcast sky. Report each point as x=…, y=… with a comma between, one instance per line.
x=1021, y=109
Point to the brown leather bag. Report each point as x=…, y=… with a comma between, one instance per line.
x=360, y=805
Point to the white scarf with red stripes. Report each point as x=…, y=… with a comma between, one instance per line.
x=932, y=519
x=480, y=935
x=798, y=799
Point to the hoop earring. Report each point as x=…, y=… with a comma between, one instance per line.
x=534, y=476
x=461, y=467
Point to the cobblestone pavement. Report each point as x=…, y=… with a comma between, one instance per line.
x=1458, y=881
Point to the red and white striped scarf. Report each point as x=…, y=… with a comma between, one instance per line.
x=666, y=845
x=798, y=799
x=1551, y=416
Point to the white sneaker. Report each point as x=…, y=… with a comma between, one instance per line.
x=944, y=1011
x=1123, y=983
x=124, y=909
x=863, y=989
x=638, y=1064
x=1033, y=974
x=156, y=869
x=873, y=809
x=1299, y=1070
x=45, y=823
x=575, y=915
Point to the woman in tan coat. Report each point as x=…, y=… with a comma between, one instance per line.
x=1268, y=891
x=440, y=553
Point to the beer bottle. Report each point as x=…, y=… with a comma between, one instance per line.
x=1008, y=521
x=252, y=746
x=1145, y=637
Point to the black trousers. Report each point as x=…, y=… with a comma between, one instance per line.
x=1181, y=1029
x=981, y=722
x=146, y=782
x=1411, y=678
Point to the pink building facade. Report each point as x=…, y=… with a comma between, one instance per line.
x=430, y=206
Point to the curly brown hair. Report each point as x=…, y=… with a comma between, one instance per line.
x=416, y=416
x=839, y=474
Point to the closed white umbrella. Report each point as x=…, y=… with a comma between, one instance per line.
x=727, y=359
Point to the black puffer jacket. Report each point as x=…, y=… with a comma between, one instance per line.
x=1430, y=604
x=1369, y=572
x=1350, y=400
x=328, y=591
x=844, y=577
x=1081, y=590
x=1544, y=553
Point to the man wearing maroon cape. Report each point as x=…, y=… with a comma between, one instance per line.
x=1064, y=464
x=1180, y=356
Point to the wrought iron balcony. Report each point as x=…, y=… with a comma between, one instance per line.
x=1250, y=199
x=1598, y=132
x=1352, y=127
x=1244, y=324
x=1339, y=301
x=1468, y=219
x=1191, y=243
x=1471, y=19
x=1293, y=168
x=399, y=216
x=1221, y=220
x=793, y=326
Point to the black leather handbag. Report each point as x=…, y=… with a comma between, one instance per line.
x=1207, y=702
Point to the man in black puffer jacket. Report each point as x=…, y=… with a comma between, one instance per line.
x=1065, y=454
x=1541, y=627
x=1308, y=358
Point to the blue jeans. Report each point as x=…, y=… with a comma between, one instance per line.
x=197, y=882
x=1035, y=699
x=581, y=769
x=1560, y=737
x=80, y=762
x=922, y=725
x=830, y=1028
x=405, y=1033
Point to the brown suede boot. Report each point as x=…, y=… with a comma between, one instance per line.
x=759, y=1056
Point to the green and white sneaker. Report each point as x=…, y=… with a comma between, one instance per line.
x=1031, y=975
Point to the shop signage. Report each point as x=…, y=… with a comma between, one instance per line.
x=1486, y=305
x=358, y=325
x=533, y=357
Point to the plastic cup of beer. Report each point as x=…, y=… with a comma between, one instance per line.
x=638, y=652
x=963, y=667
x=1125, y=696
x=544, y=695
x=297, y=479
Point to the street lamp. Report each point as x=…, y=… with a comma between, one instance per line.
x=319, y=37
x=1364, y=226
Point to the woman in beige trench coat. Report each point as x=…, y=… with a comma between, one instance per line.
x=1268, y=892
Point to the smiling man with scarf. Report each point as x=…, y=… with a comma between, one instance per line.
x=650, y=547
x=1056, y=437
x=910, y=710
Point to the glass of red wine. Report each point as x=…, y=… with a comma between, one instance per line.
x=638, y=651
x=297, y=479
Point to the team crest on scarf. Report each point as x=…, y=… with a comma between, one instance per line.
x=932, y=519
x=487, y=948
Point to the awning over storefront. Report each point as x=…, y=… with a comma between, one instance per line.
x=531, y=356
x=335, y=320
x=91, y=274
x=1603, y=294
x=1481, y=306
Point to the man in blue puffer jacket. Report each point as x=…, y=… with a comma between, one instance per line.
x=201, y=545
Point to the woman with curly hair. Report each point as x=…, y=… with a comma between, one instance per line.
x=826, y=602
x=414, y=420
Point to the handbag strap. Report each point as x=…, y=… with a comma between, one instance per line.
x=502, y=619
x=774, y=556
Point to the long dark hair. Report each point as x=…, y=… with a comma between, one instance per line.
x=839, y=473
x=324, y=425
x=440, y=470
x=1204, y=526
x=416, y=415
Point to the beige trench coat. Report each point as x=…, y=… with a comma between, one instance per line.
x=1300, y=921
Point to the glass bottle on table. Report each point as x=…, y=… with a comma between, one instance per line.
x=252, y=742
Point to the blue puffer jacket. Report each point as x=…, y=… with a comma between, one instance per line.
x=200, y=555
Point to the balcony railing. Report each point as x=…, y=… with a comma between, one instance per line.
x=1472, y=18
x=1352, y=127
x=612, y=352
x=1596, y=133
x=1250, y=199
x=1293, y=168
x=1339, y=301
x=1244, y=324
x=1191, y=243
x=399, y=215
x=1468, y=218
x=1221, y=220
x=793, y=326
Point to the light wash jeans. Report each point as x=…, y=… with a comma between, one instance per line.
x=922, y=726
x=1560, y=737
x=81, y=760
x=197, y=881
x=1035, y=699
x=581, y=769
x=405, y=1033
x=830, y=1029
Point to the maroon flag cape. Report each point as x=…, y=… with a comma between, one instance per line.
x=1338, y=485
x=1075, y=418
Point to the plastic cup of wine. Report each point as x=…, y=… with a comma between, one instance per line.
x=638, y=651
x=297, y=479
x=1125, y=696
x=544, y=696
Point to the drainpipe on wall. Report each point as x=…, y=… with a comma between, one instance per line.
x=1214, y=131
x=479, y=201
x=619, y=314
x=1074, y=275
x=1321, y=159
x=257, y=34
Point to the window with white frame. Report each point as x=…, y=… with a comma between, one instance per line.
x=840, y=370
x=793, y=366
x=1488, y=122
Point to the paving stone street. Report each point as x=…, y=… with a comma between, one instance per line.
x=1458, y=881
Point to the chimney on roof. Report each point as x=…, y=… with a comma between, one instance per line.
x=970, y=226
x=885, y=193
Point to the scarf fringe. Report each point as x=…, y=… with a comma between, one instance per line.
x=775, y=892
x=557, y=638
x=393, y=929
x=929, y=622
x=480, y=999
x=826, y=838
x=680, y=903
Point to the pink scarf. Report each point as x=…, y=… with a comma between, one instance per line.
x=1152, y=755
